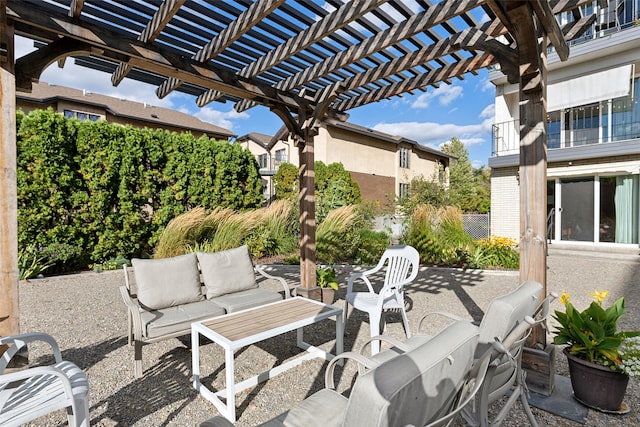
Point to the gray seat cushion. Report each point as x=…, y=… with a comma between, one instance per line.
x=167, y=282
x=325, y=408
x=416, y=387
x=171, y=320
x=246, y=299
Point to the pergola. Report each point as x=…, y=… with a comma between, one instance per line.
x=305, y=60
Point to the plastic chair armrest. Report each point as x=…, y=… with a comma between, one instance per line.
x=365, y=279
x=21, y=340
x=40, y=370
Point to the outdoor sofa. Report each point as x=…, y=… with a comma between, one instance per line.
x=164, y=296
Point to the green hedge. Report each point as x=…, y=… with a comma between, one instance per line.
x=93, y=191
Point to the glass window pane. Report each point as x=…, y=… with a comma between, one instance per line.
x=553, y=129
x=607, y=226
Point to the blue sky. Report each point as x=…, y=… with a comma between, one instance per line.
x=464, y=109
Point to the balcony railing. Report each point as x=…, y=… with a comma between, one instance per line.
x=617, y=16
x=506, y=136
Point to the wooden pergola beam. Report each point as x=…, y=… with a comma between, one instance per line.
x=319, y=30
x=254, y=14
x=151, y=58
x=154, y=27
x=449, y=71
x=435, y=15
x=75, y=8
x=551, y=28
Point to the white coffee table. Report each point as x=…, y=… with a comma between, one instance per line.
x=236, y=330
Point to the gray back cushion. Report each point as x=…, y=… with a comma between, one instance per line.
x=227, y=271
x=506, y=311
x=167, y=282
x=416, y=387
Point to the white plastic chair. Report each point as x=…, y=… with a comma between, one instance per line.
x=31, y=393
x=402, y=264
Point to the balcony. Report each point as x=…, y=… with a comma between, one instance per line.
x=506, y=137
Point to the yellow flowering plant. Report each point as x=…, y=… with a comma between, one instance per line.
x=592, y=334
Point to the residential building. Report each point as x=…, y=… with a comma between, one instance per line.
x=383, y=165
x=593, y=137
x=85, y=105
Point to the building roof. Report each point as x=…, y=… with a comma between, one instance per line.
x=384, y=136
x=45, y=93
x=283, y=133
x=259, y=138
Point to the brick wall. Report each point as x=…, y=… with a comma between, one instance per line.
x=505, y=203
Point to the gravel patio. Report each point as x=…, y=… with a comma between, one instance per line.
x=85, y=314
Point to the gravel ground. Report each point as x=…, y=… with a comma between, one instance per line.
x=85, y=314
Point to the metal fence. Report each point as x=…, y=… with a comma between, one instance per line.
x=477, y=225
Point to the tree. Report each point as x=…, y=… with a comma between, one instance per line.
x=468, y=189
x=286, y=182
x=334, y=186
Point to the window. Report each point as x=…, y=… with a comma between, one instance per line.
x=404, y=157
x=403, y=191
x=71, y=114
x=262, y=161
x=281, y=157
x=553, y=129
x=585, y=125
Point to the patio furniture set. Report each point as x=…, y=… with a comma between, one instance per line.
x=423, y=380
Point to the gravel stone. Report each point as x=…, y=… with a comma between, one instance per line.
x=85, y=314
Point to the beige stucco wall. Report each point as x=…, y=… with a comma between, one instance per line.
x=505, y=203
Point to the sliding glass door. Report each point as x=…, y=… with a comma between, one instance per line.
x=577, y=209
x=595, y=209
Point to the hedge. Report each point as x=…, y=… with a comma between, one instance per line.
x=92, y=191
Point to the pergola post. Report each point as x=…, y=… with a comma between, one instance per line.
x=9, y=309
x=307, y=202
x=538, y=357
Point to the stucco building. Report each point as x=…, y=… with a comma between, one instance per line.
x=593, y=137
x=383, y=165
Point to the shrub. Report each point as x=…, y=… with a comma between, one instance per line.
x=111, y=264
x=266, y=231
x=500, y=252
x=331, y=244
x=370, y=246
x=32, y=261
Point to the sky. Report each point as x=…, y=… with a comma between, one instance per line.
x=464, y=109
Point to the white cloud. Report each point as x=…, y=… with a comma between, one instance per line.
x=436, y=134
x=445, y=95
x=220, y=118
x=486, y=85
x=488, y=112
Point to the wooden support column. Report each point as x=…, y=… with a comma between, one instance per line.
x=9, y=309
x=538, y=357
x=533, y=174
x=307, y=214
